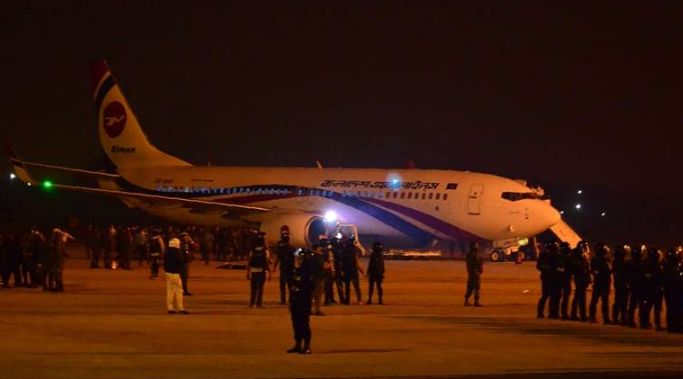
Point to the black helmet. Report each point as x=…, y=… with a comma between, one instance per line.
x=601, y=249
x=377, y=246
x=565, y=247
x=284, y=238
x=260, y=241
x=654, y=254
x=552, y=246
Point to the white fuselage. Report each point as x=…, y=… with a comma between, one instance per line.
x=407, y=207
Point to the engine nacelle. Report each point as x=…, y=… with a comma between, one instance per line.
x=304, y=229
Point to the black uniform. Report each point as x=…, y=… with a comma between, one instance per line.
x=337, y=251
x=621, y=289
x=186, y=247
x=55, y=263
x=563, y=276
x=547, y=264
x=15, y=258
x=602, y=281
x=651, y=291
x=634, y=283
x=349, y=268
x=376, y=275
x=475, y=267
x=673, y=292
x=581, y=271
x=259, y=261
x=285, y=258
x=156, y=248
x=300, y=292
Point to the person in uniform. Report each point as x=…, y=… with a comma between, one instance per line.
x=300, y=291
x=186, y=246
x=581, y=271
x=634, y=282
x=317, y=270
x=15, y=258
x=330, y=273
x=475, y=267
x=350, y=269
x=602, y=281
x=157, y=248
x=257, y=269
x=376, y=272
x=173, y=262
x=565, y=276
x=141, y=243
x=546, y=264
x=651, y=280
x=206, y=245
x=96, y=244
x=126, y=247
x=621, y=291
x=337, y=250
x=285, y=260
x=672, y=277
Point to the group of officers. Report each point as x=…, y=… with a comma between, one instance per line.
x=643, y=279
x=308, y=278
x=33, y=260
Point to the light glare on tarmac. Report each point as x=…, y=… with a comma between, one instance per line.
x=113, y=324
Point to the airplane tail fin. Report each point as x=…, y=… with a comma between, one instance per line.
x=122, y=138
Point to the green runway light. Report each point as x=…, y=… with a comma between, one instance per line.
x=47, y=184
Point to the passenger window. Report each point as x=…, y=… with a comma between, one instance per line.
x=445, y=196
x=410, y=195
x=395, y=195
x=424, y=195
x=438, y=195
x=431, y=195
x=403, y=195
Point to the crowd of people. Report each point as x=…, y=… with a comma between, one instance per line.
x=643, y=280
x=33, y=260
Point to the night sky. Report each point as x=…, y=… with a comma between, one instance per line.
x=569, y=97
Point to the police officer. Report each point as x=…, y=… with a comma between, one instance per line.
x=634, y=282
x=337, y=250
x=300, y=289
x=15, y=258
x=126, y=247
x=651, y=280
x=350, y=269
x=602, y=281
x=564, y=276
x=475, y=267
x=186, y=244
x=34, y=251
x=317, y=269
x=581, y=271
x=376, y=272
x=546, y=264
x=329, y=271
x=621, y=291
x=157, y=248
x=258, y=267
x=285, y=260
x=673, y=290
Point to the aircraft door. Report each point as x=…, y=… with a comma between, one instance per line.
x=474, y=199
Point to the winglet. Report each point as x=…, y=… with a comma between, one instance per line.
x=20, y=169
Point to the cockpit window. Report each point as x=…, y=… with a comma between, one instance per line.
x=516, y=196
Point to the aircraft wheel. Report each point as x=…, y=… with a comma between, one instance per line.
x=496, y=256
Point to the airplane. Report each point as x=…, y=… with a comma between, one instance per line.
x=403, y=208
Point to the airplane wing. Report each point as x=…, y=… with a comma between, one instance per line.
x=197, y=206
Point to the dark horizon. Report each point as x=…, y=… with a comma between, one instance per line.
x=573, y=97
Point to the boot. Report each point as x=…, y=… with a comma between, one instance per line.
x=296, y=348
x=477, y=303
x=307, y=348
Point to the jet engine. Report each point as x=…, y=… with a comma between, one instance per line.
x=304, y=229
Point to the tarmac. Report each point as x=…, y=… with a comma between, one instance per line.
x=113, y=324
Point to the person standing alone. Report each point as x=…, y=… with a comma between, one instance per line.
x=174, y=287
x=475, y=267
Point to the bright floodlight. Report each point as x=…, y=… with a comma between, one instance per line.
x=579, y=192
x=12, y=176
x=561, y=212
x=603, y=214
x=331, y=216
x=578, y=206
